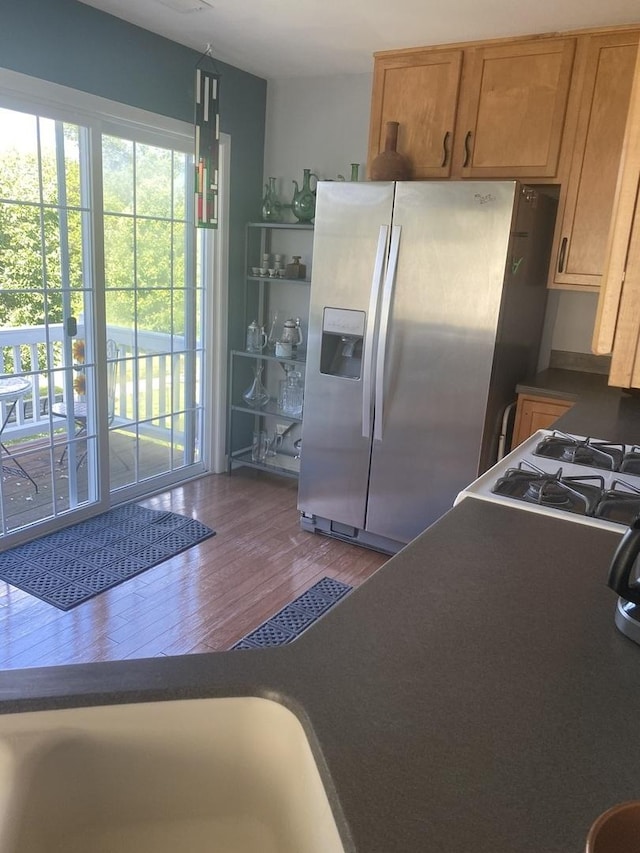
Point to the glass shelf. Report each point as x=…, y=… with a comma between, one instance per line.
x=271, y=279
x=300, y=359
x=271, y=409
x=293, y=226
x=281, y=463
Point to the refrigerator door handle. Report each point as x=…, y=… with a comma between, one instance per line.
x=385, y=311
x=367, y=370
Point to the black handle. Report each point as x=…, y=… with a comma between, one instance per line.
x=623, y=563
x=71, y=327
x=445, y=150
x=563, y=252
x=467, y=152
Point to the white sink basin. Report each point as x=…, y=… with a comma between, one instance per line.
x=233, y=775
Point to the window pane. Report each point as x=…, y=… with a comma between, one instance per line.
x=117, y=174
x=153, y=253
x=153, y=181
x=19, y=175
x=119, y=253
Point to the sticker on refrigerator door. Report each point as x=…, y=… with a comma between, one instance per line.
x=484, y=199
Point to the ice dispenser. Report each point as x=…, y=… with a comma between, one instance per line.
x=342, y=336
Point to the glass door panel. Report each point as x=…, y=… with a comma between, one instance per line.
x=46, y=287
x=153, y=303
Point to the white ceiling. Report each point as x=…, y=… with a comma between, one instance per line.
x=287, y=38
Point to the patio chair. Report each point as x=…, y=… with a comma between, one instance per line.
x=80, y=408
x=12, y=390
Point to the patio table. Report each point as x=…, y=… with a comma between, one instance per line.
x=13, y=389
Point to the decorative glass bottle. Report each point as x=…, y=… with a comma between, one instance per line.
x=256, y=394
x=271, y=207
x=354, y=171
x=303, y=204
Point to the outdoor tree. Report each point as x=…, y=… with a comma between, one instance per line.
x=44, y=231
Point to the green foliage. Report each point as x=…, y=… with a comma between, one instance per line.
x=143, y=187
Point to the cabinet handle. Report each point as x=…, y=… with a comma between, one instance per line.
x=467, y=152
x=563, y=252
x=445, y=150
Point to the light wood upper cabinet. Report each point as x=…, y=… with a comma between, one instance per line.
x=420, y=91
x=586, y=203
x=491, y=110
x=618, y=320
x=513, y=108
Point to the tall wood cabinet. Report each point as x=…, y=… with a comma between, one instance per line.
x=492, y=110
x=618, y=319
x=603, y=83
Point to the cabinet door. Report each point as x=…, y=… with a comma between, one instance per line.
x=581, y=236
x=513, y=109
x=534, y=413
x=420, y=91
x=617, y=328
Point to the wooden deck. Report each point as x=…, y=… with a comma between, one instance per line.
x=202, y=600
x=23, y=505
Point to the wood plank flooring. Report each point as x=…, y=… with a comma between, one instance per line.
x=202, y=600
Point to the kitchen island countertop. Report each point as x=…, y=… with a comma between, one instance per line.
x=474, y=694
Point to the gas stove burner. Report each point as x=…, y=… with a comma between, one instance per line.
x=549, y=491
x=620, y=502
x=595, y=454
x=533, y=485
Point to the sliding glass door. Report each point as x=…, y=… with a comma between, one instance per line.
x=101, y=309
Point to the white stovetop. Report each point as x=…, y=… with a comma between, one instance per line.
x=481, y=488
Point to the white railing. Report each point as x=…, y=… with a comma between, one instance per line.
x=146, y=374
x=23, y=346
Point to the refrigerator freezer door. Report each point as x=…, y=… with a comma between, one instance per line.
x=439, y=349
x=349, y=250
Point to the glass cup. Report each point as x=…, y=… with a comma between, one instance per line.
x=259, y=446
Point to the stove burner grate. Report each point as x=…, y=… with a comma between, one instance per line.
x=631, y=461
x=620, y=502
x=533, y=485
x=595, y=454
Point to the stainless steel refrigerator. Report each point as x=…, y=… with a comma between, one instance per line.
x=427, y=307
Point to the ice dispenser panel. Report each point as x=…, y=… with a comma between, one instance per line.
x=342, y=336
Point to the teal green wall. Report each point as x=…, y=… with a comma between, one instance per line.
x=75, y=45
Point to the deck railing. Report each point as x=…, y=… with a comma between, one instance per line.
x=149, y=364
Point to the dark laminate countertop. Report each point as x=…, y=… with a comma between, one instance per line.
x=566, y=384
x=604, y=412
x=473, y=695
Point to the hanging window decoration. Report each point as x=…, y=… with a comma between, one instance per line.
x=207, y=143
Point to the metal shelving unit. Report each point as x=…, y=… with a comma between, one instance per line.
x=243, y=419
